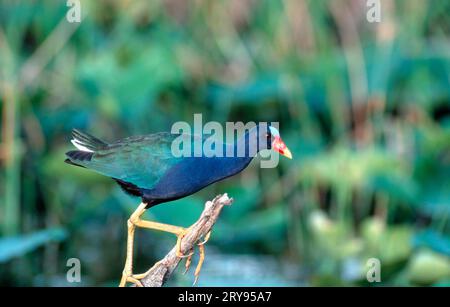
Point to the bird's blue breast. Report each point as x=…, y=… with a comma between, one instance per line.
x=194, y=174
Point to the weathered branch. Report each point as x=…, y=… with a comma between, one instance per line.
x=162, y=270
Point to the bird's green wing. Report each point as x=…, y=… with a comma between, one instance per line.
x=140, y=160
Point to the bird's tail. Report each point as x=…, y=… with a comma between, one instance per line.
x=86, y=142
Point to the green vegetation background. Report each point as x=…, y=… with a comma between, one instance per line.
x=364, y=107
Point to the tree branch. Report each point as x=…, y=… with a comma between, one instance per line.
x=162, y=270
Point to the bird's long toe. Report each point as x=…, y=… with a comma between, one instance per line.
x=201, y=249
x=201, y=259
x=206, y=239
x=187, y=265
x=128, y=277
x=180, y=237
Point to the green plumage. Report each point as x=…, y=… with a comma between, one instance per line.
x=140, y=160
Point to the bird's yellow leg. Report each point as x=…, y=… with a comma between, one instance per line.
x=127, y=271
x=136, y=221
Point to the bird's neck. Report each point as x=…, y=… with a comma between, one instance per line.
x=242, y=152
x=236, y=158
x=244, y=148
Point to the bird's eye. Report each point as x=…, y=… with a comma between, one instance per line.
x=268, y=135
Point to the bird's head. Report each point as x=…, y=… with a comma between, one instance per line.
x=269, y=138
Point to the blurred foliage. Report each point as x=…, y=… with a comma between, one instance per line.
x=364, y=107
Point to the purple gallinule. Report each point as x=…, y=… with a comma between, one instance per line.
x=145, y=166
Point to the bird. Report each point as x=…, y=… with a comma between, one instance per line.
x=147, y=167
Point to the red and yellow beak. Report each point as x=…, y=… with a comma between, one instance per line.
x=278, y=145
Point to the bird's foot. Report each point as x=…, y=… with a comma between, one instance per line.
x=180, y=237
x=128, y=276
x=131, y=279
x=201, y=259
